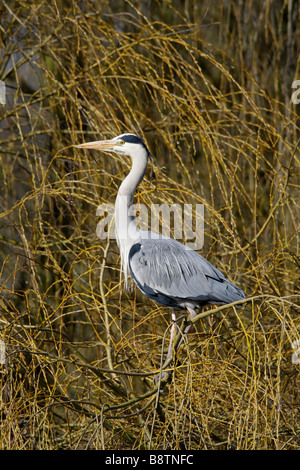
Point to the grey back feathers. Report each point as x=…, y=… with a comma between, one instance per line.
x=172, y=275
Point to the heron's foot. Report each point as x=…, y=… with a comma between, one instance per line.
x=163, y=378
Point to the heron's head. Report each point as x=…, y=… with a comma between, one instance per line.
x=124, y=144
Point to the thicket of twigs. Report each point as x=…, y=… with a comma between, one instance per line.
x=208, y=86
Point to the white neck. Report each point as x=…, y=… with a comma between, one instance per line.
x=127, y=231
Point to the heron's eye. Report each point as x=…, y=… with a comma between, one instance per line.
x=121, y=142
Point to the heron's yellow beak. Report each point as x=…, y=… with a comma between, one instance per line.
x=98, y=145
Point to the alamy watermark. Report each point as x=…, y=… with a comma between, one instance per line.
x=296, y=94
x=296, y=354
x=2, y=92
x=181, y=222
x=2, y=352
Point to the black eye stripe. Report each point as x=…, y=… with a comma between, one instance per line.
x=132, y=139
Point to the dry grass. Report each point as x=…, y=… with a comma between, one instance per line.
x=209, y=89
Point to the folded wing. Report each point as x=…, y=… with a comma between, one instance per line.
x=170, y=273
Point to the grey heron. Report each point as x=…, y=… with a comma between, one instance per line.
x=165, y=270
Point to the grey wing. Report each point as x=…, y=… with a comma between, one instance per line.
x=167, y=268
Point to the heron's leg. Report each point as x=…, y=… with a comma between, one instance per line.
x=170, y=348
x=172, y=335
x=187, y=328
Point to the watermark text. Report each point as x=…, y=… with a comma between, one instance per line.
x=2, y=93
x=181, y=222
